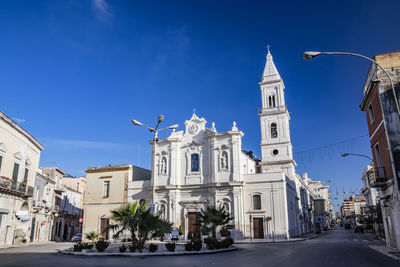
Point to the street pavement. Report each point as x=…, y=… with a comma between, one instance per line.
x=337, y=248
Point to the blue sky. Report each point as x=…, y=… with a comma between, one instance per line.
x=79, y=71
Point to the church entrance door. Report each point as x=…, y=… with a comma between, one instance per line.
x=193, y=225
x=258, y=227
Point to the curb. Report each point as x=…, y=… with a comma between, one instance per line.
x=384, y=252
x=27, y=245
x=145, y=254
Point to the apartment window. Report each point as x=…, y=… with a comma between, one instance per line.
x=274, y=130
x=1, y=160
x=371, y=114
x=26, y=174
x=195, y=165
x=257, y=202
x=106, y=189
x=15, y=172
x=378, y=158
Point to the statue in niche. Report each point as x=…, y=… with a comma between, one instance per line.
x=163, y=166
x=224, y=161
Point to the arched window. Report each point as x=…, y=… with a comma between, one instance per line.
x=194, y=162
x=256, y=202
x=163, y=165
x=273, y=101
x=224, y=160
x=274, y=130
x=269, y=101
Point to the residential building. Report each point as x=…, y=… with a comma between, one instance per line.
x=19, y=162
x=42, y=208
x=383, y=122
x=321, y=192
x=107, y=190
x=67, y=206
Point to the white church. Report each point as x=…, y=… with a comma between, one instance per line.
x=200, y=166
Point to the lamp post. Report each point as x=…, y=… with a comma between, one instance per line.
x=358, y=155
x=155, y=131
x=312, y=54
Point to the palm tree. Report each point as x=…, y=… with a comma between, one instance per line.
x=212, y=218
x=140, y=222
x=93, y=236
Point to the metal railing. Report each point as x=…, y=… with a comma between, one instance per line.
x=376, y=177
x=14, y=187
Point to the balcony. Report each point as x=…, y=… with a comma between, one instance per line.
x=377, y=177
x=10, y=186
x=59, y=188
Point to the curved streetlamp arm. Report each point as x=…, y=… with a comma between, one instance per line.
x=359, y=155
x=373, y=61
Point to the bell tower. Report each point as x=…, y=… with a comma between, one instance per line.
x=276, y=147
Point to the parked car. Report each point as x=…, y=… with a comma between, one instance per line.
x=77, y=238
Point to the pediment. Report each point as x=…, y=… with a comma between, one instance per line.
x=18, y=156
x=3, y=148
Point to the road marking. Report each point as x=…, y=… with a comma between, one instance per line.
x=355, y=239
x=365, y=240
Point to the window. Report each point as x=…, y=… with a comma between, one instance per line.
x=274, y=131
x=273, y=101
x=269, y=101
x=256, y=202
x=106, y=189
x=15, y=172
x=1, y=159
x=371, y=114
x=378, y=158
x=26, y=174
x=195, y=166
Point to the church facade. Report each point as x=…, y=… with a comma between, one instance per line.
x=200, y=166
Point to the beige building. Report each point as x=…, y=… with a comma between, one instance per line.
x=19, y=162
x=107, y=189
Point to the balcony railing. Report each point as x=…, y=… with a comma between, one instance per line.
x=377, y=177
x=12, y=187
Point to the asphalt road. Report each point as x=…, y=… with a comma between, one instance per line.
x=337, y=248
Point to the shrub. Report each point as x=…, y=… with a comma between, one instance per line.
x=170, y=246
x=227, y=242
x=102, y=245
x=189, y=246
x=132, y=248
x=212, y=243
x=87, y=245
x=197, y=244
x=123, y=248
x=78, y=247
x=153, y=247
x=225, y=232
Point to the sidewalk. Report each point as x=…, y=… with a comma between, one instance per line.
x=27, y=244
x=291, y=240
x=390, y=252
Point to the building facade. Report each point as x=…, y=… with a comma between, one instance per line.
x=384, y=131
x=200, y=166
x=19, y=162
x=107, y=190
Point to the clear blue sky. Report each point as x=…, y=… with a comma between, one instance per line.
x=79, y=71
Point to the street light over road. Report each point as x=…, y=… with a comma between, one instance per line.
x=358, y=155
x=312, y=54
x=155, y=139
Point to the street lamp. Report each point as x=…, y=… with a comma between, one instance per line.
x=312, y=54
x=358, y=155
x=155, y=139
